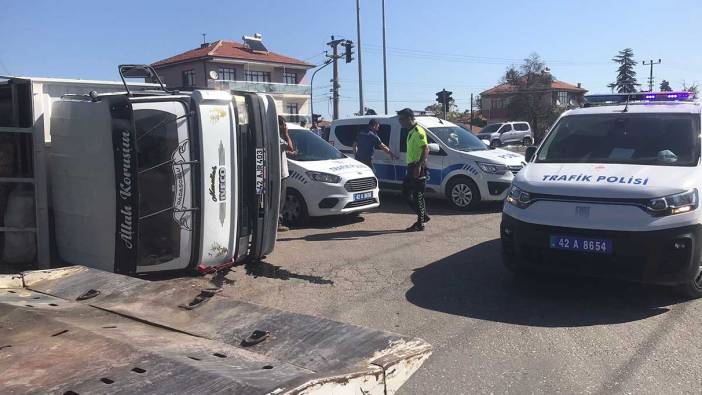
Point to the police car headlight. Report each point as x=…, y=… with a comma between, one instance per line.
x=324, y=177
x=518, y=197
x=673, y=204
x=492, y=168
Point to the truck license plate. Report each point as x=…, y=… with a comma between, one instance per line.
x=362, y=196
x=260, y=170
x=571, y=243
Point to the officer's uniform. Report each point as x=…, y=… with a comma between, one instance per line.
x=413, y=188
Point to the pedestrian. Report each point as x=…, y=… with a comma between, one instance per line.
x=367, y=142
x=286, y=147
x=415, y=180
x=315, y=129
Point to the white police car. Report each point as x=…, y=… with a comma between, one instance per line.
x=323, y=181
x=460, y=166
x=613, y=190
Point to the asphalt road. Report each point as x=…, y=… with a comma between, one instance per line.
x=491, y=332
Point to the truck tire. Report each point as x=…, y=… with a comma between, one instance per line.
x=462, y=193
x=295, y=209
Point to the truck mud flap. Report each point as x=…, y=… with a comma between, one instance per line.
x=127, y=335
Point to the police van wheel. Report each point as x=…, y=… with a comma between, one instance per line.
x=462, y=193
x=295, y=209
x=693, y=288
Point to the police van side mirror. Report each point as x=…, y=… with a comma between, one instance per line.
x=529, y=154
x=434, y=148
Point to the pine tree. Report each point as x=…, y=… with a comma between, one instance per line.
x=665, y=86
x=626, y=76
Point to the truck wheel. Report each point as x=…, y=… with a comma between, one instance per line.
x=295, y=209
x=462, y=193
x=693, y=288
x=527, y=141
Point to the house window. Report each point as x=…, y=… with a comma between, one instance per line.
x=290, y=78
x=293, y=109
x=189, y=78
x=563, y=98
x=258, y=76
x=226, y=74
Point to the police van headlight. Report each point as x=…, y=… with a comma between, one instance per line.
x=324, y=177
x=673, y=204
x=518, y=197
x=492, y=168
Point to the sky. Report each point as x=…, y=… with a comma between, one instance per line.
x=462, y=46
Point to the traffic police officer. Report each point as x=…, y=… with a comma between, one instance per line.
x=414, y=183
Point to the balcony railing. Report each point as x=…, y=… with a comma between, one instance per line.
x=261, y=87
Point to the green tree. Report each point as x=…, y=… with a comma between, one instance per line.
x=665, y=86
x=532, y=99
x=626, y=76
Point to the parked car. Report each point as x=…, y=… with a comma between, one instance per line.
x=503, y=133
x=460, y=167
x=324, y=181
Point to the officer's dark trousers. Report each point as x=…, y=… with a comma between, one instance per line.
x=413, y=191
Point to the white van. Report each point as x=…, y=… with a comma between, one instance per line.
x=613, y=190
x=460, y=166
x=324, y=181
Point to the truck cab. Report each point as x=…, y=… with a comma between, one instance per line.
x=157, y=180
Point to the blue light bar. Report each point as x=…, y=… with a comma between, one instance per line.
x=646, y=97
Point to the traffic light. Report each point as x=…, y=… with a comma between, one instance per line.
x=349, y=46
x=444, y=97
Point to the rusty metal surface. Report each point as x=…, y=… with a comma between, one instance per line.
x=134, y=338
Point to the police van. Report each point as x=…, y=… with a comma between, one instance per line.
x=460, y=166
x=324, y=181
x=613, y=190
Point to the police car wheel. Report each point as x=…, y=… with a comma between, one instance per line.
x=295, y=209
x=693, y=288
x=462, y=193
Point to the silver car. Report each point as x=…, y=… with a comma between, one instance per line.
x=503, y=133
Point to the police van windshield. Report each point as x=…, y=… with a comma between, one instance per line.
x=311, y=147
x=458, y=138
x=650, y=139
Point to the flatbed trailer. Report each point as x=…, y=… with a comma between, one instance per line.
x=78, y=330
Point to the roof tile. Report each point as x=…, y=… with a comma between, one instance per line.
x=231, y=50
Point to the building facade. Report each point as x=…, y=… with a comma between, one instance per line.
x=247, y=66
x=495, y=101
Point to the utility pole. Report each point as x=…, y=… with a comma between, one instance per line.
x=360, y=64
x=334, y=43
x=385, y=67
x=471, y=113
x=650, y=78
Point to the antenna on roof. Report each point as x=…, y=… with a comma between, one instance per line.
x=204, y=38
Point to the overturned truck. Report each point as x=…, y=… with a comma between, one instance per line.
x=101, y=182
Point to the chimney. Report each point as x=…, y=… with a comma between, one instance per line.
x=204, y=45
x=578, y=85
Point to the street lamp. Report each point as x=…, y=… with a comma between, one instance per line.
x=326, y=63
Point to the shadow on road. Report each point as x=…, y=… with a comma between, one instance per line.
x=395, y=204
x=473, y=283
x=330, y=222
x=345, y=235
x=265, y=269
